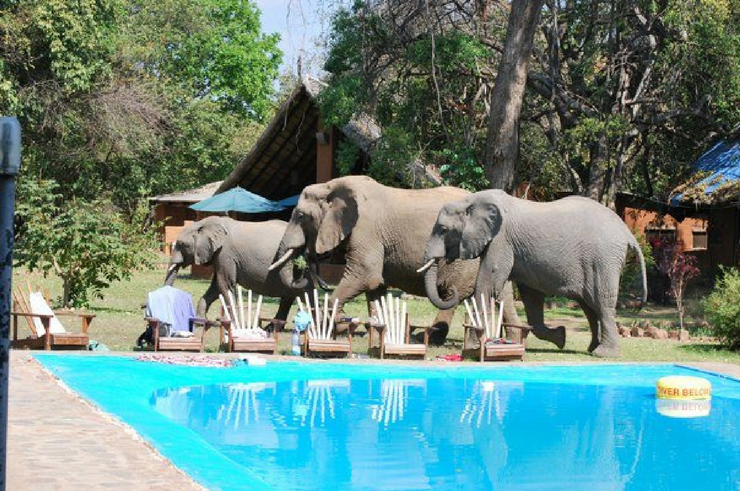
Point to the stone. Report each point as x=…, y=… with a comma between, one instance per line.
x=683, y=335
x=625, y=331
x=638, y=332
x=660, y=334
x=645, y=324
x=672, y=334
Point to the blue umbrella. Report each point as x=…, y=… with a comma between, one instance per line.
x=292, y=201
x=237, y=199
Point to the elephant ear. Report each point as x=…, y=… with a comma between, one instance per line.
x=482, y=223
x=339, y=220
x=208, y=240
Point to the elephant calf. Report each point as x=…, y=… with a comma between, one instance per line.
x=241, y=253
x=573, y=247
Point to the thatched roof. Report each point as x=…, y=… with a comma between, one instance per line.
x=189, y=196
x=283, y=160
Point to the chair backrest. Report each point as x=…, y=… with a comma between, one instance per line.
x=37, y=305
x=322, y=320
x=483, y=315
x=394, y=314
x=171, y=306
x=233, y=306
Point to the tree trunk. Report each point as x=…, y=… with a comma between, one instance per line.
x=598, y=167
x=502, y=144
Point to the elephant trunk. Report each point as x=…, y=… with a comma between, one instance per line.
x=430, y=284
x=172, y=269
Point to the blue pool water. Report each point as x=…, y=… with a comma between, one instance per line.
x=292, y=426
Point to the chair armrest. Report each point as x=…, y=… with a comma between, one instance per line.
x=378, y=327
x=69, y=313
x=479, y=331
x=28, y=314
x=517, y=326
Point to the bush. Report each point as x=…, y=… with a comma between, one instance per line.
x=722, y=308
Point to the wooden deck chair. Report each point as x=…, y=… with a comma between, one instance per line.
x=194, y=341
x=45, y=329
x=487, y=324
x=320, y=337
x=394, y=330
x=241, y=329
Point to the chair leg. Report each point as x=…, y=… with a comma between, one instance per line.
x=46, y=321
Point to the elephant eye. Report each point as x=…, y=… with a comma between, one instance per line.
x=442, y=229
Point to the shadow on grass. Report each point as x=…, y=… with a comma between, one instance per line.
x=705, y=349
x=558, y=351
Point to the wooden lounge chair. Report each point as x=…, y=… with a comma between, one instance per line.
x=46, y=330
x=320, y=337
x=394, y=330
x=242, y=331
x=488, y=330
x=191, y=340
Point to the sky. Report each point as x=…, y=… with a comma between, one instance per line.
x=301, y=25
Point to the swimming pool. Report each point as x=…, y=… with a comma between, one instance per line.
x=298, y=426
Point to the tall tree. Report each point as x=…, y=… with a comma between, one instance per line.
x=502, y=142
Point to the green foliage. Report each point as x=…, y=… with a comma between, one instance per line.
x=163, y=92
x=462, y=169
x=630, y=283
x=346, y=159
x=87, y=244
x=722, y=308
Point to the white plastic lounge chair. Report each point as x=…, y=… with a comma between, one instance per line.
x=394, y=329
x=487, y=324
x=320, y=338
x=241, y=328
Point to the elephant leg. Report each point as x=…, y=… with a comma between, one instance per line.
x=207, y=299
x=441, y=326
x=372, y=296
x=534, y=305
x=510, y=314
x=284, y=308
x=609, y=345
x=593, y=323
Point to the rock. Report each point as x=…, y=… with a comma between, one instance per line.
x=407, y=296
x=683, y=335
x=625, y=331
x=638, y=332
x=672, y=334
x=667, y=325
x=660, y=334
x=645, y=324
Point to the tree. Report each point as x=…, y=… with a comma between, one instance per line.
x=679, y=267
x=87, y=244
x=502, y=142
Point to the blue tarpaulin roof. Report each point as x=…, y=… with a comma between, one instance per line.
x=238, y=199
x=722, y=162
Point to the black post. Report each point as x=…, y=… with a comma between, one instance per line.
x=10, y=160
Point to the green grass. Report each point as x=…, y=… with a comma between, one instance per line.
x=119, y=322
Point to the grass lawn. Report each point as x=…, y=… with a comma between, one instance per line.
x=119, y=322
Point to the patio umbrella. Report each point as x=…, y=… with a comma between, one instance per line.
x=291, y=201
x=237, y=199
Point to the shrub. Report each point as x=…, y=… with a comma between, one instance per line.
x=722, y=308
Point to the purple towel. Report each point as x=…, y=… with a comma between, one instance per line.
x=171, y=306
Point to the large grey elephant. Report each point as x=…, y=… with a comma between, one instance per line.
x=573, y=247
x=241, y=253
x=383, y=231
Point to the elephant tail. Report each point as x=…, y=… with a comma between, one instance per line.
x=638, y=250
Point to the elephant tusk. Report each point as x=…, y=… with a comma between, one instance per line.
x=426, y=266
x=172, y=267
x=280, y=261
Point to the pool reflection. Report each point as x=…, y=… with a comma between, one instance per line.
x=457, y=434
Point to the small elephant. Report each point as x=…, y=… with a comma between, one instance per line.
x=241, y=253
x=383, y=231
x=573, y=247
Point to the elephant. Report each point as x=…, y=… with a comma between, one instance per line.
x=573, y=247
x=382, y=231
x=241, y=253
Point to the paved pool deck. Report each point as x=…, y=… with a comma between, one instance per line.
x=57, y=441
